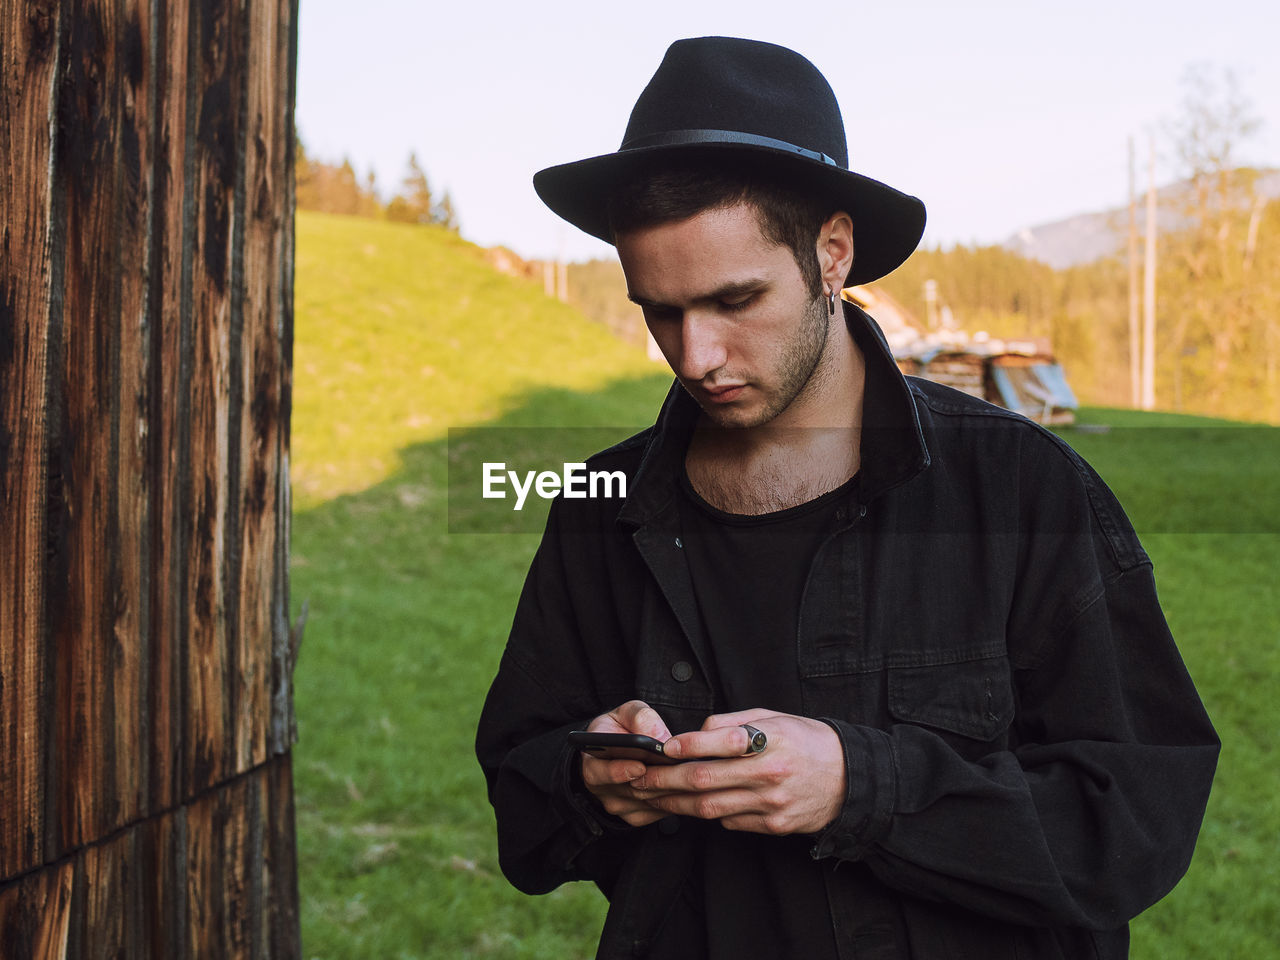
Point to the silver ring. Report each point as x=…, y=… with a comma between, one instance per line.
x=756, y=740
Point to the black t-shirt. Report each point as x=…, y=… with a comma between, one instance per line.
x=749, y=574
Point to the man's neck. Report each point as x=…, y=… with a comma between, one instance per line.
x=810, y=448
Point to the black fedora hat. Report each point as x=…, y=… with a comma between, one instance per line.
x=745, y=101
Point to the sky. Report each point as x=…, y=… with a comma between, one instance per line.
x=998, y=115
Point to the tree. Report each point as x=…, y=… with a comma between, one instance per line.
x=444, y=214
x=1205, y=260
x=331, y=188
x=304, y=171
x=414, y=203
x=415, y=193
x=344, y=190
x=369, y=205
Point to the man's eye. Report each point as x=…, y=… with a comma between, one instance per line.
x=660, y=314
x=736, y=305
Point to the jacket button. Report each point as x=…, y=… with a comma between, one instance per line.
x=681, y=671
x=669, y=825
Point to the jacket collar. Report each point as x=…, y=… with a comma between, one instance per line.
x=893, y=444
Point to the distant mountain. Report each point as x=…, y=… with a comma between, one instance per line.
x=1090, y=236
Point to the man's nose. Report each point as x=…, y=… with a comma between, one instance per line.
x=702, y=346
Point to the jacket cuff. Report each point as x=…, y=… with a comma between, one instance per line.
x=871, y=789
x=578, y=807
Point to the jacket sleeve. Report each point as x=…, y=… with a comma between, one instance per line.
x=1092, y=813
x=550, y=830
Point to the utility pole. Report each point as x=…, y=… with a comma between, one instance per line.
x=1149, y=291
x=1135, y=341
x=562, y=280
x=1251, y=240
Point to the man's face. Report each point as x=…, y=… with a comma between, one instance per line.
x=730, y=311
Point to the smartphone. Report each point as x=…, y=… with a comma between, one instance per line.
x=621, y=746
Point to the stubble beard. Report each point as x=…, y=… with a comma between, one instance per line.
x=797, y=370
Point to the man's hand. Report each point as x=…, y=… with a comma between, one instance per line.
x=797, y=785
x=608, y=780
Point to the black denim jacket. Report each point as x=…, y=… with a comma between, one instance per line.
x=1028, y=761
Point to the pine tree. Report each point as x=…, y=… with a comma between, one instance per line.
x=305, y=176
x=369, y=203
x=344, y=192
x=417, y=192
x=444, y=214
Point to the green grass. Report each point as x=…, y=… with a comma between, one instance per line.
x=1205, y=496
x=404, y=332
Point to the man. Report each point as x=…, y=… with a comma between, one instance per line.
x=906, y=642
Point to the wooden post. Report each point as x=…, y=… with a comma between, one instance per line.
x=146, y=204
x=1135, y=336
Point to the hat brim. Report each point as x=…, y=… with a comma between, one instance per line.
x=887, y=224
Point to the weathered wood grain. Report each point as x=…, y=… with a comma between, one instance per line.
x=204, y=879
x=281, y=881
x=84, y=570
x=28, y=63
x=211, y=649
x=35, y=914
x=283, y=730
x=100, y=926
x=213, y=878
x=146, y=193
x=133, y=475
x=229, y=903
x=169, y=399
x=261, y=368
x=156, y=891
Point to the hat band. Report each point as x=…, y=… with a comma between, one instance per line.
x=671, y=138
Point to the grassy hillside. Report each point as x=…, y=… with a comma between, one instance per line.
x=402, y=333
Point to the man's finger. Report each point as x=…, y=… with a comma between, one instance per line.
x=643, y=818
x=752, y=823
x=596, y=772
x=695, y=777
x=724, y=741
x=637, y=813
x=638, y=717
x=717, y=720
x=715, y=805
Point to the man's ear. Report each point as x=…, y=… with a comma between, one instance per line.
x=835, y=250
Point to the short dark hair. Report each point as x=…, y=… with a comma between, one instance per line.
x=788, y=214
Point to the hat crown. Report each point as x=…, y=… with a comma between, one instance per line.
x=744, y=86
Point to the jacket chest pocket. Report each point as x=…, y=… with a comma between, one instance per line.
x=668, y=670
x=970, y=702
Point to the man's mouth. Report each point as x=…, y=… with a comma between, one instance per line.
x=725, y=394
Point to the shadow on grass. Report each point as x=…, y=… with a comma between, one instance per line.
x=407, y=622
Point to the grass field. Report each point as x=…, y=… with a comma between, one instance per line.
x=404, y=332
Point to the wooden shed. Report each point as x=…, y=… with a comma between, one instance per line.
x=956, y=368
x=146, y=261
